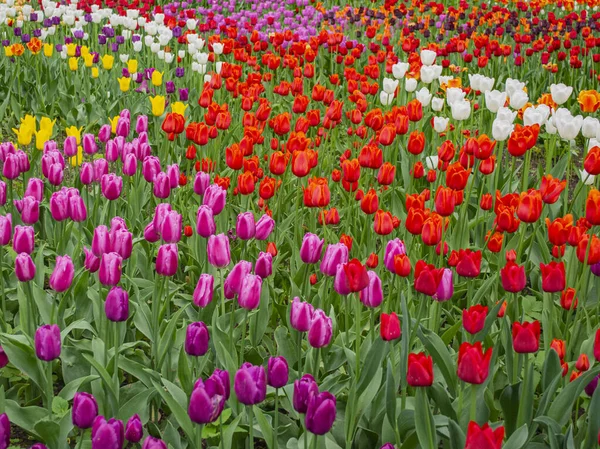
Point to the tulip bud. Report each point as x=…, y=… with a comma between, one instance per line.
x=201, y=183
x=277, y=372
x=264, y=227
x=103, y=134
x=110, y=269
x=85, y=410
x=122, y=242
x=130, y=165
x=372, y=295
x=335, y=254
x=23, y=239
x=196, y=339
x=77, y=209
x=208, y=398
x=321, y=412
x=233, y=282
x=4, y=431
x=59, y=206
x=264, y=265
x=304, y=388
x=167, y=260
x=218, y=250
x=134, y=429
x=215, y=197
x=5, y=229
x=250, y=384
x=203, y=293
x=301, y=314
x=35, y=188
x=86, y=174
x=321, y=329
x=30, y=210
x=170, y=230
x=62, y=276
x=141, y=124
x=24, y=267
x=47, y=342
x=311, y=249
x=250, y=291
x=3, y=358
x=390, y=327
x=91, y=262
x=245, y=227
x=111, y=186
x=116, y=305
x=107, y=434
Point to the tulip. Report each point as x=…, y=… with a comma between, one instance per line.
x=86, y=173
x=85, y=410
x=91, y=263
x=218, y=250
x=201, y=183
x=484, y=437
x=245, y=227
x=122, y=242
x=30, y=210
x=469, y=263
x=277, y=372
x=592, y=207
x=5, y=229
x=116, y=305
x=62, y=276
x=474, y=318
x=107, y=434
x=351, y=277
x=47, y=342
x=513, y=277
x=301, y=314
x=203, y=293
x=304, y=389
x=553, y=276
x=59, y=205
x=335, y=254
x=372, y=295
x=111, y=186
x=233, y=282
x=110, y=269
x=264, y=227
x=170, y=229
x=526, y=337
x=196, y=339
x=473, y=363
x=205, y=222
x=445, y=288
x=597, y=346
x=321, y=329
x=250, y=384
x=3, y=358
x=4, y=431
x=214, y=197
x=24, y=268
x=250, y=291
x=390, y=327
x=420, y=370
x=167, y=260
x=207, y=400
x=134, y=429
x=23, y=239
x=264, y=265
x=311, y=249
x=320, y=413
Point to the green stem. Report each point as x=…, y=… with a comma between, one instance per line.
x=276, y=418
x=473, y=415
x=50, y=389
x=251, y=426
x=243, y=337
x=117, y=346
x=357, y=341
x=199, y=436
x=4, y=325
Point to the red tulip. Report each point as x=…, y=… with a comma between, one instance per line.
x=553, y=276
x=483, y=437
x=390, y=327
x=526, y=337
x=473, y=363
x=474, y=318
x=420, y=370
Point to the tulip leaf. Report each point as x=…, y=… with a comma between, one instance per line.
x=178, y=411
x=285, y=345
x=25, y=417
x=435, y=346
x=21, y=354
x=372, y=363
x=406, y=341
x=440, y=396
x=79, y=324
x=517, y=439
x=457, y=436
x=106, y=379
x=550, y=369
x=137, y=404
x=552, y=425
x=424, y=422
x=49, y=432
x=260, y=320
x=562, y=405
x=139, y=371
x=266, y=427
x=73, y=387
x=184, y=372
x=509, y=401
x=591, y=439
x=166, y=339
x=482, y=291
x=490, y=319
x=391, y=393
x=229, y=431
x=526, y=398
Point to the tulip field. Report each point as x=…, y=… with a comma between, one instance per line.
x=299, y=224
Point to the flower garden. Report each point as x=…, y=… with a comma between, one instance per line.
x=299, y=224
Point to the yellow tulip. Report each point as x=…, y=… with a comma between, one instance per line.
x=28, y=122
x=132, y=65
x=95, y=72
x=157, y=78
x=107, y=61
x=41, y=137
x=8, y=51
x=84, y=51
x=158, y=104
x=71, y=48
x=124, y=83
x=179, y=108
x=88, y=60
x=75, y=132
x=77, y=160
x=47, y=125
x=113, y=123
x=48, y=50
x=73, y=64
x=24, y=135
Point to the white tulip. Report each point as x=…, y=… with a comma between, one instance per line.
x=207, y=78
x=454, y=94
x=437, y=104
x=389, y=85
x=159, y=18
x=461, y=110
x=410, y=85
x=513, y=86
x=423, y=96
x=219, y=66
x=399, y=69
x=494, y=100
x=501, y=130
x=181, y=53
x=560, y=93
x=444, y=79
x=218, y=48
x=148, y=40
x=590, y=127
x=431, y=162
x=586, y=178
x=191, y=24
x=430, y=73
x=567, y=125
x=518, y=99
x=155, y=47
x=202, y=69
x=169, y=57
x=549, y=126
x=594, y=142
x=506, y=115
x=124, y=58
x=385, y=98
x=536, y=115
x=202, y=58
x=191, y=38
x=440, y=124
x=428, y=57
x=199, y=44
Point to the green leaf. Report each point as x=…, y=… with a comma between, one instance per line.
x=424, y=423
x=509, y=401
x=561, y=407
x=376, y=354
x=21, y=354
x=518, y=438
x=435, y=346
x=391, y=391
x=60, y=406
x=178, y=411
x=526, y=398
x=550, y=369
x=137, y=404
x=25, y=417
x=591, y=439
x=265, y=426
x=106, y=379
x=166, y=339
x=230, y=430
x=259, y=321
x=73, y=387
x=457, y=436
x=49, y=432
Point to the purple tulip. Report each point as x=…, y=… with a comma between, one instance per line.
x=47, y=342
x=116, y=305
x=38, y=446
x=59, y=206
x=264, y=227
x=250, y=384
x=250, y=291
x=35, y=189
x=304, y=388
x=150, y=233
x=4, y=431
x=215, y=197
x=111, y=186
x=123, y=127
x=388, y=446
x=88, y=143
x=10, y=169
x=23, y=239
x=111, y=151
x=3, y=358
x=372, y=295
x=5, y=229
x=104, y=133
x=445, y=288
x=222, y=376
x=218, y=251
x=233, y=281
x=207, y=400
x=86, y=174
x=30, y=210
x=141, y=124
x=24, y=267
x=393, y=248
x=277, y=372
x=201, y=183
x=23, y=161
x=130, y=165
x=62, y=276
x=167, y=260
x=134, y=429
x=205, y=222
x=85, y=410
x=340, y=283
x=122, y=242
x=150, y=168
x=173, y=174
x=70, y=146
x=107, y=434
x=56, y=174
x=2, y=193
x=196, y=339
x=101, y=243
x=170, y=230
x=245, y=227
x=311, y=249
x=100, y=169
x=264, y=265
x=162, y=185
x=321, y=412
x=77, y=209
x=301, y=314
x=591, y=387
x=203, y=293
x=335, y=254
x=595, y=269
x=110, y=269
x=160, y=213
x=319, y=334
x=91, y=262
